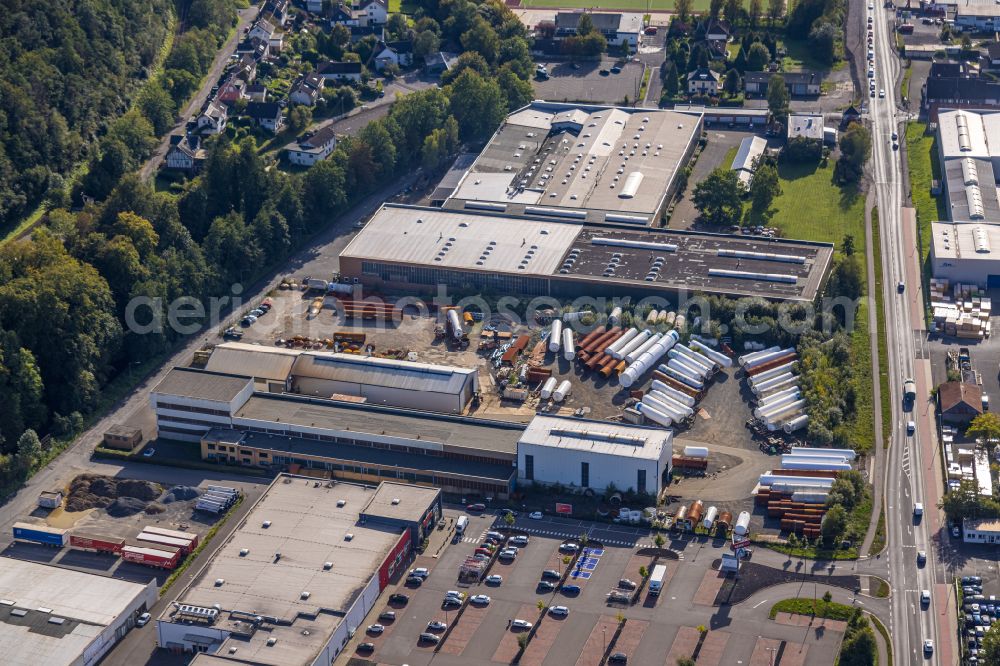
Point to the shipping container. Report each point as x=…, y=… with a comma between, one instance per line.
x=151, y=557
x=184, y=545
x=96, y=544
x=48, y=536
x=189, y=536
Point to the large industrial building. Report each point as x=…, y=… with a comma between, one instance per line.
x=966, y=247
x=581, y=162
x=594, y=454
x=416, y=249
x=298, y=577
x=54, y=617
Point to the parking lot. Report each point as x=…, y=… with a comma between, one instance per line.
x=584, y=82
x=655, y=630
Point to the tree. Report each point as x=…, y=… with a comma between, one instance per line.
x=508, y=519
x=683, y=9
x=516, y=90
x=986, y=426
x=763, y=189
x=585, y=25
x=834, y=524
x=29, y=447
x=714, y=8
x=477, y=104
x=686, y=661
x=659, y=540
x=775, y=9
x=757, y=58
x=426, y=43
x=732, y=11
x=859, y=649
x=732, y=82
x=847, y=245
x=963, y=502
x=299, y=118
x=754, y=12
x=540, y=605
x=855, y=149
x=482, y=39
x=823, y=39
x=396, y=27
x=966, y=42
x=643, y=572
x=827, y=597
x=671, y=84
x=778, y=97
x=718, y=198
x=989, y=652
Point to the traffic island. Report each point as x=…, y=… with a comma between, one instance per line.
x=753, y=578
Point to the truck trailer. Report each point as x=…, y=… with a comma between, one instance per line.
x=184, y=545
x=96, y=544
x=47, y=536
x=151, y=557
x=656, y=579
x=188, y=536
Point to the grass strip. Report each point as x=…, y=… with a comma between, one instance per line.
x=829, y=610
x=883, y=344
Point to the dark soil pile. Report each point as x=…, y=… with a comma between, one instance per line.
x=125, y=506
x=179, y=494
x=90, y=491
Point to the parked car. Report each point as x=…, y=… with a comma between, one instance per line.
x=627, y=584
x=520, y=540
x=571, y=589
x=569, y=547
x=535, y=515
x=375, y=629
x=616, y=70
x=618, y=658
x=508, y=554
x=429, y=638
x=481, y=599
x=551, y=573
x=495, y=535
x=484, y=551
x=420, y=572
x=399, y=598
x=143, y=620
x=559, y=611
x=972, y=580
x=366, y=647
x=476, y=507
x=520, y=624
x=494, y=579
x=149, y=452
x=436, y=625
x=387, y=616
x=416, y=581
x=651, y=30
x=545, y=586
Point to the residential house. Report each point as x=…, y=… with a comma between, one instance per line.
x=799, y=84
x=805, y=125
x=246, y=69
x=276, y=11
x=342, y=15
x=339, y=72
x=261, y=29
x=851, y=115
x=266, y=115
x=256, y=92
x=232, y=90
x=213, y=118
x=703, y=81
x=312, y=149
x=438, y=63
x=617, y=28
x=992, y=58
x=185, y=153
x=254, y=47
x=959, y=93
x=977, y=17
x=372, y=12
x=959, y=402
x=396, y=53
x=277, y=42
x=307, y=91
x=718, y=34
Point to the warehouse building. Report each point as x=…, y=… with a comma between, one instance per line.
x=298, y=577
x=53, y=617
x=188, y=402
x=270, y=367
x=594, y=454
x=416, y=249
x=581, y=162
x=745, y=162
x=981, y=530
x=966, y=253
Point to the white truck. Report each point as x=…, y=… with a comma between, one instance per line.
x=461, y=524
x=656, y=579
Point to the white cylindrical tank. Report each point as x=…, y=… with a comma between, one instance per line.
x=670, y=410
x=837, y=467
x=809, y=497
x=717, y=356
x=696, y=451
x=615, y=318
x=805, y=481
x=703, y=370
x=742, y=526
x=562, y=391
x=646, y=361
x=850, y=454
x=797, y=487
x=791, y=458
x=651, y=317
x=680, y=322
x=679, y=396
x=456, y=323
x=548, y=387
x=661, y=318
x=777, y=413
x=698, y=356
x=783, y=385
x=671, y=318
x=643, y=348
x=797, y=423
x=780, y=380
x=555, y=335
x=775, y=406
x=710, y=517
x=773, y=372
x=569, y=347
x=681, y=377
x=659, y=400
x=746, y=358
x=654, y=415
x=685, y=369
x=767, y=358
x=633, y=344
x=621, y=342
x=771, y=398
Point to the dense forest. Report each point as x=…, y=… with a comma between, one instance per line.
x=64, y=292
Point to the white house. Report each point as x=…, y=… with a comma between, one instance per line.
x=396, y=53
x=307, y=91
x=314, y=149
x=594, y=454
x=262, y=30
x=213, y=118
x=276, y=10
x=339, y=72
x=266, y=115
x=703, y=81
x=372, y=12
x=185, y=153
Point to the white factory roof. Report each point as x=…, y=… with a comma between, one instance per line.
x=809, y=126
x=450, y=239
x=580, y=157
x=976, y=8
x=751, y=148
x=240, y=358
x=391, y=373
x=969, y=134
x=309, y=529
x=966, y=241
x=86, y=602
x=611, y=439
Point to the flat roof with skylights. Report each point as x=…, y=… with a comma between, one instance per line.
x=580, y=162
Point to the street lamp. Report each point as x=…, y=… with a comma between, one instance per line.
x=770, y=656
x=604, y=630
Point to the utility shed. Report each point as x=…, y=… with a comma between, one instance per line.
x=438, y=388
x=594, y=454
x=960, y=402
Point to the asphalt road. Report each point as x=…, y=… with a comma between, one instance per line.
x=910, y=470
x=244, y=18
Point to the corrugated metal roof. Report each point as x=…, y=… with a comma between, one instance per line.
x=613, y=439
x=239, y=358
x=201, y=385
x=385, y=372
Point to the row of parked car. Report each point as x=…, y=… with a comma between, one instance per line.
x=980, y=613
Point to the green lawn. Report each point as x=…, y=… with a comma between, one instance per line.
x=404, y=6
x=921, y=154
x=883, y=349
x=799, y=56
x=803, y=606
x=727, y=161
x=863, y=435
x=812, y=207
